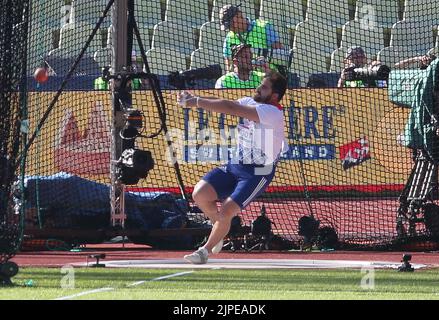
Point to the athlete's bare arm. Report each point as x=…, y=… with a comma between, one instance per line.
x=219, y=105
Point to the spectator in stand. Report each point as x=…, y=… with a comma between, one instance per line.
x=259, y=34
x=244, y=74
x=356, y=59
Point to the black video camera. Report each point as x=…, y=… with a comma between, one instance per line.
x=180, y=79
x=369, y=76
x=377, y=72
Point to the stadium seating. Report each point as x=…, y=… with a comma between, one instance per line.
x=335, y=13
x=391, y=55
x=413, y=36
x=109, y=39
x=148, y=13
x=103, y=57
x=247, y=7
x=315, y=36
x=40, y=44
x=425, y=10
x=190, y=12
x=337, y=59
x=73, y=38
x=89, y=12
x=386, y=13
x=282, y=14
x=211, y=36
x=357, y=33
x=435, y=50
x=204, y=57
x=146, y=39
x=176, y=36
x=314, y=42
x=51, y=14
x=161, y=66
x=307, y=62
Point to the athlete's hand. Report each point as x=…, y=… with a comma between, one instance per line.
x=186, y=99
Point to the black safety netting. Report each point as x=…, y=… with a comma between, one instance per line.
x=360, y=165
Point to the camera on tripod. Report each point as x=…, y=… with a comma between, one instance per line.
x=182, y=79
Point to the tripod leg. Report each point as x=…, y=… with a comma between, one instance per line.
x=422, y=189
x=404, y=202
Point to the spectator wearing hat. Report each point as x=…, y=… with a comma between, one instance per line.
x=244, y=75
x=259, y=34
x=355, y=58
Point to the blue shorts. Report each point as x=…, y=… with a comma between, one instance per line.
x=239, y=182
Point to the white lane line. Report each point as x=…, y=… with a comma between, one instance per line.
x=85, y=293
x=130, y=285
x=161, y=278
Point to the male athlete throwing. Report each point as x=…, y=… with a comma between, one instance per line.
x=260, y=143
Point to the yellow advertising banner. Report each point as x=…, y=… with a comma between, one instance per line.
x=337, y=137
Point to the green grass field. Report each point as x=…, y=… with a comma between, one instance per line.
x=223, y=284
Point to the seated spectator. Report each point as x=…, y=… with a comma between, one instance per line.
x=358, y=72
x=243, y=76
x=259, y=34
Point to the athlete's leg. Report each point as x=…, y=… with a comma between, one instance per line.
x=205, y=197
x=217, y=184
x=248, y=188
x=229, y=209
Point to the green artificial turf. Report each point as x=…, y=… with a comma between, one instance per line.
x=33, y=283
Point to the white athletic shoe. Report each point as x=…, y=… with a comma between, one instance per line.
x=198, y=257
x=218, y=247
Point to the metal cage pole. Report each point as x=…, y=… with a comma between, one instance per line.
x=119, y=63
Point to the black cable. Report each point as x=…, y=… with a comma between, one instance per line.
x=161, y=108
x=301, y=166
x=155, y=86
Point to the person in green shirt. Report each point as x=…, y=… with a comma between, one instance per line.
x=244, y=75
x=259, y=34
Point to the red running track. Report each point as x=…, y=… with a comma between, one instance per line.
x=139, y=252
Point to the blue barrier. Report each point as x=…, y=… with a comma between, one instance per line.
x=323, y=80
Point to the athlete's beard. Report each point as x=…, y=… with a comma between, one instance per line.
x=258, y=98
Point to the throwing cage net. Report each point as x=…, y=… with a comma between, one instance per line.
x=112, y=150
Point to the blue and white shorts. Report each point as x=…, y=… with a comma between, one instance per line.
x=241, y=182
